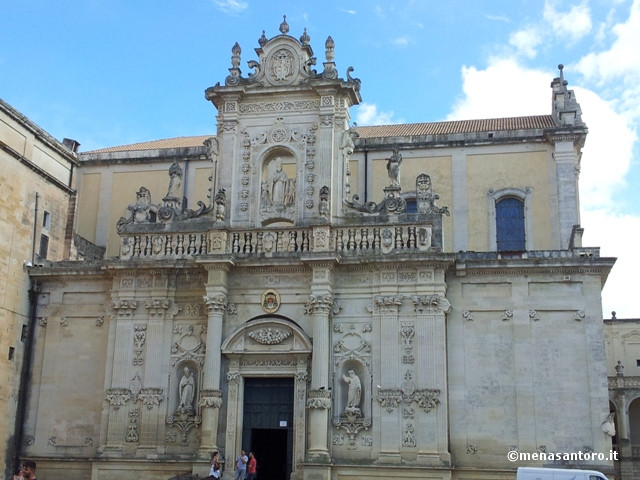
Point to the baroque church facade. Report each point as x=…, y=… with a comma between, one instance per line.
x=403, y=301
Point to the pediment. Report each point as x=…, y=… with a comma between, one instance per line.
x=267, y=335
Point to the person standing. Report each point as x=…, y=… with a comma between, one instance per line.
x=252, y=466
x=241, y=465
x=215, y=465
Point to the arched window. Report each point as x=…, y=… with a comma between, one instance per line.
x=510, y=229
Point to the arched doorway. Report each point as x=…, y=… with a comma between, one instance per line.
x=268, y=359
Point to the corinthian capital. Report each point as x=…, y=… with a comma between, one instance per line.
x=210, y=399
x=320, y=399
x=319, y=304
x=215, y=304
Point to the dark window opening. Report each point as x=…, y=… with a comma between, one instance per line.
x=23, y=335
x=46, y=220
x=44, y=246
x=11, y=352
x=510, y=234
x=412, y=206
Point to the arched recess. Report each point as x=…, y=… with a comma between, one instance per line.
x=634, y=422
x=523, y=195
x=268, y=346
x=278, y=186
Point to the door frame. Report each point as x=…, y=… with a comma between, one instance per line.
x=284, y=352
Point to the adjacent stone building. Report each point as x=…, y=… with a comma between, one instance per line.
x=402, y=301
x=36, y=200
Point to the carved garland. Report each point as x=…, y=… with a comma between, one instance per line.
x=270, y=336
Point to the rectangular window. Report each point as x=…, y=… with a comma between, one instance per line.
x=46, y=220
x=44, y=246
x=510, y=230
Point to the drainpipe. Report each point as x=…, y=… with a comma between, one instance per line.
x=28, y=339
x=35, y=228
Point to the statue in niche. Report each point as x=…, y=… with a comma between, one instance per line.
x=354, y=394
x=175, y=181
x=278, y=191
x=323, y=206
x=187, y=390
x=278, y=184
x=393, y=167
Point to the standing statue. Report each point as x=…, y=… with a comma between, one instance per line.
x=393, y=167
x=278, y=184
x=175, y=181
x=354, y=394
x=187, y=390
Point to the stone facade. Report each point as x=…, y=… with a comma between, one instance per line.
x=35, y=198
x=361, y=267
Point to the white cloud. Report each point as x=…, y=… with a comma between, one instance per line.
x=617, y=236
x=400, y=42
x=526, y=41
x=232, y=6
x=598, y=184
x=618, y=68
x=575, y=24
x=367, y=114
x=503, y=89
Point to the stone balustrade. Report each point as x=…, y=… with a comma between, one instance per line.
x=352, y=240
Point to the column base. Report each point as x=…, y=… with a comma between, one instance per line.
x=316, y=472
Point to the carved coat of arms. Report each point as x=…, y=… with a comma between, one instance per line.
x=282, y=65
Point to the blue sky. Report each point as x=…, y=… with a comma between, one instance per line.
x=116, y=72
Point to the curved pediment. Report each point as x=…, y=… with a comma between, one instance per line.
x=267, y=335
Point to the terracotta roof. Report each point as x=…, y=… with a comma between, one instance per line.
x=400, y=130
x=457, y=126
x=177, y=142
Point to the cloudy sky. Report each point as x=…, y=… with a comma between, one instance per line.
x=113, y=72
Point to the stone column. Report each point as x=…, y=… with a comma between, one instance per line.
x=210, y=394
x=319, y=400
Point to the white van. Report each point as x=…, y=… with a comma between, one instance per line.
x=535, y=473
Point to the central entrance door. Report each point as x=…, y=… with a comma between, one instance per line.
x=268, y=425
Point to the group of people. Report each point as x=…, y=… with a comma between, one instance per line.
x=245, y=466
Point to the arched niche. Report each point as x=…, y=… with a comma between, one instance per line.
x=278, y=186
